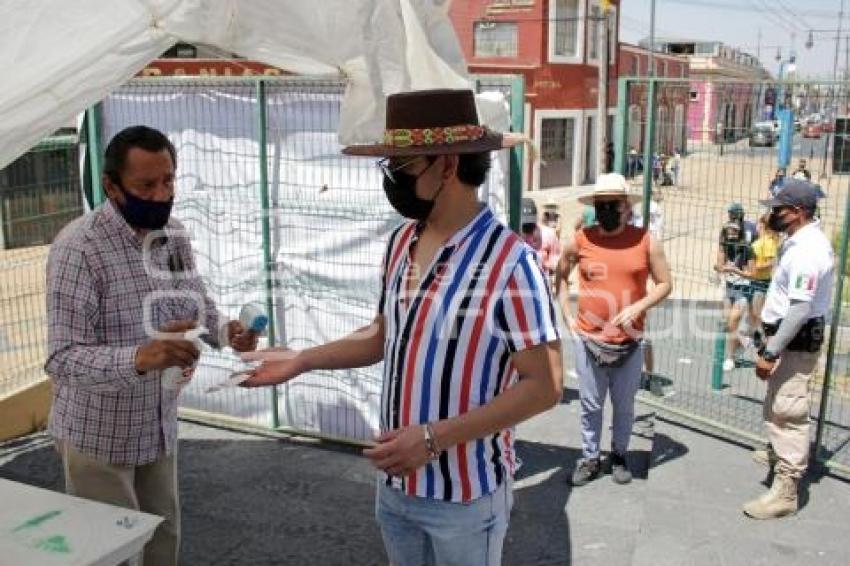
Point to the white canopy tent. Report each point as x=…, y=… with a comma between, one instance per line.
x=62, y=57
x=59, y=57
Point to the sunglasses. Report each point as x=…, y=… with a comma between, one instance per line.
x=389, y=170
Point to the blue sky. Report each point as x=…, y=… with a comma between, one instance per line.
x=736, y=23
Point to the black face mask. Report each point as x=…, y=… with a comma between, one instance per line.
x=608, y=215
x=144, y=214
x=776, y=222
x=401, y=192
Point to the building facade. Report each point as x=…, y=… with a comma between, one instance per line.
x=727, y=89
x=671, y=103
x=554, y=46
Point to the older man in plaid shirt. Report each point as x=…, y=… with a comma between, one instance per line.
x=115, y=278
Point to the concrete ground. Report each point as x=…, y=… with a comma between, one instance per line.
x=256, y=500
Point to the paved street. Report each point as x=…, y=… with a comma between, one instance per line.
x=256, y=500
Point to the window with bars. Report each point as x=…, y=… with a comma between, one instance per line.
x=557, y=148
x=495, y=39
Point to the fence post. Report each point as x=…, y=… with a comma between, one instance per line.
x=833, y=328
x=786, y=136
x=268, y=261
x=517, y=153
x=649, y=148
x=719, y=357
x=93, y=148
x=621, y=127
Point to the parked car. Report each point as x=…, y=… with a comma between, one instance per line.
x=762, y=136
x=812, y=130
x=827, y=126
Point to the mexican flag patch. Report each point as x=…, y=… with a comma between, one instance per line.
x=805, y=283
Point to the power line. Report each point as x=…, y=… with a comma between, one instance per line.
x=794, y=26
x=793, y=13
x=774, y=18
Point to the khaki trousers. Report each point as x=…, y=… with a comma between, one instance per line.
x=151, y=488
x=786, y=412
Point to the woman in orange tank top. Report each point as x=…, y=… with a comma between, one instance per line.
x=614, y=262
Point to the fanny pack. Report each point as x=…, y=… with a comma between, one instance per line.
x=808, y=339
x=608, y=355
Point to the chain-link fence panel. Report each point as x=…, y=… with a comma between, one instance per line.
x=278, y=217
x=719, y=148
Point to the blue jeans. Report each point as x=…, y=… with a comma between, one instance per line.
x=422, y=532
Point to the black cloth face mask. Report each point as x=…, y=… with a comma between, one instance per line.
x=400, y=188
x=608, y=215
x=776, y=222
x=144, y=214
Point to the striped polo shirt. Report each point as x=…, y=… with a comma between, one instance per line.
x=448, y=345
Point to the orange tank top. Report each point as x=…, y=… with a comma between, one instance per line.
x=612, y=275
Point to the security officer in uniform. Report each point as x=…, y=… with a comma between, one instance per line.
x=794, y=314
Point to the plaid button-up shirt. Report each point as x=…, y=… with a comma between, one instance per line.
x=107, y=291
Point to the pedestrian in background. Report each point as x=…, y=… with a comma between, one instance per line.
x=777, y=182
x=550, y=250
x=763, y=259
x=797, y=303
x=614, y=261
x=802, y=173
x=733, y=256
x=676, y=166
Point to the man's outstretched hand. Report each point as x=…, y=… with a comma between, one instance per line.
x=279, y=365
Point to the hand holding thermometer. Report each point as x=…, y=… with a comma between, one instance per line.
x=254, y=319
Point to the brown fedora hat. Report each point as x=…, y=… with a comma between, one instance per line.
x=432, y=122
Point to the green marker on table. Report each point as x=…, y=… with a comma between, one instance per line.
x=57, y=544
x=36, y=521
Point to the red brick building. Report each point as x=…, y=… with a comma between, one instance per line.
x=553, y=44
x=671, y=103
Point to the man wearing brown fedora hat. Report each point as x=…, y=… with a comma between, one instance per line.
x=614, y=261
x=467, y=332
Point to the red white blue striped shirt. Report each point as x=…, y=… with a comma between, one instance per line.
x=448, y=346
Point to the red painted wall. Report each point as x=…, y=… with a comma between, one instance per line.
x=548, y=85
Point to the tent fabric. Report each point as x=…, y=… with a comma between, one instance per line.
x=60, y=57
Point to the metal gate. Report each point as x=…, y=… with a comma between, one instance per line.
x=703, y=147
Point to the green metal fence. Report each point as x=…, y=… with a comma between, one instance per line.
x=39, y=194
x=729, y=153
x=280, y=217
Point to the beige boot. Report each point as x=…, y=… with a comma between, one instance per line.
x=766, y=457
x=780, y=501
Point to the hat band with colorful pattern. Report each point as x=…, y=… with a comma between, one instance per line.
x=418, y=137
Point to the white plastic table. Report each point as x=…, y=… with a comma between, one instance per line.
x=39, y=526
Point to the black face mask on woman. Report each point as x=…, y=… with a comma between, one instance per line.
x=608, y=215
x=400, y=188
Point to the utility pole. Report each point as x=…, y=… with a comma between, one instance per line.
x=758, y=46
x=834, y=89
x=650, y=72
x=649, y=135
x=602, y=98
